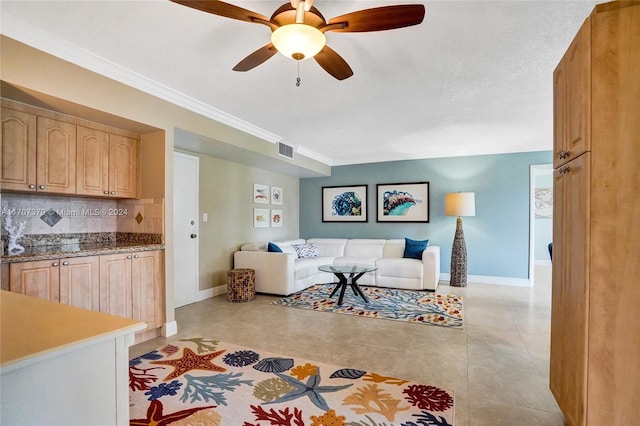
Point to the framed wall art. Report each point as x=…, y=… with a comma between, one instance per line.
x=260, y=194
x=403, y=202
x=544, y=203
x=276, y=195
x=276, y=218
x=261, y=218
x=344, y=203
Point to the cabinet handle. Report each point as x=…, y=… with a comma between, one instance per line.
x=129, y=257
x=105, y=192
x=65, y=263
x=564, y=154
x=113, y=192
x=54, y=264
x=42, y=187
x=32, y=186
x=135, y=256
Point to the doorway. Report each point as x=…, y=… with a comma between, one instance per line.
x=185, y=228
x=540, y=216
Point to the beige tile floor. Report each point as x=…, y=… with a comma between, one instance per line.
x=497, y=366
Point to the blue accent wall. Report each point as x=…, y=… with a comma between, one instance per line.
x=497, y=236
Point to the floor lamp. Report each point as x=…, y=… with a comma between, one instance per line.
x=459, y=204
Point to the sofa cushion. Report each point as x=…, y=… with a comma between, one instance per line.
x=364, y=248
x=413, y=248
x=349, y=260
x=273, y=248
x=306, y=250
x=401, y=268
x=329, y=246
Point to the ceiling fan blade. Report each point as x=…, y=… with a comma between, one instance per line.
x=256, y=58
x=333, y=63
x=379, y=18
x=224, y=9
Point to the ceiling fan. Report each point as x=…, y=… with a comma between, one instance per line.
x=298, y=29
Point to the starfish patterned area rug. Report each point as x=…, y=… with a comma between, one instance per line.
x=199, y=381
x=388, y=303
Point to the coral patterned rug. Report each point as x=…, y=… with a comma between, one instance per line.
x=207, y=382
x=388, y=303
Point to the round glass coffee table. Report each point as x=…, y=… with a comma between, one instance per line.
x=348, y=275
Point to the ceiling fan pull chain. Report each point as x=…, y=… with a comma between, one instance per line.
x=298, y=80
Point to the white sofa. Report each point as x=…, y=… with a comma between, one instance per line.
x=284, y=273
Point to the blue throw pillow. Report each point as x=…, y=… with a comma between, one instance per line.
x=273, y=248
x=413, y=248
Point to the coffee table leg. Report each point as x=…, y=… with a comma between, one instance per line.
x=356, y=287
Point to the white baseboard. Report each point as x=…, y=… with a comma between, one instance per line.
x=483, y=279
x=169, y=329
x=212, y=292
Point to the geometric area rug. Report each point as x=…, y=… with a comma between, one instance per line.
x=200, y=381
x=388, y=303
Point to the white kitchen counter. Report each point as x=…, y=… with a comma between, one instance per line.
x=62, y=365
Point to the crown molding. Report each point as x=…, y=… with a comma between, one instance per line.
x=314, y=155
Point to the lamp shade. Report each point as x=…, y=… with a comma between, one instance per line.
x=298, y=41
x=460, y=204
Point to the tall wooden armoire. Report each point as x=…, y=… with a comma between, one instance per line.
x=595, y=321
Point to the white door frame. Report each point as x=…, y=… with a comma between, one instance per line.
x=195, y=229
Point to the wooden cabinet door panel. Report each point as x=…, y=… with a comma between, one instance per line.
x=572, y=99
x=56, y=156
x=18, y=151
x=92, y=162
x=80, y=282
x=37, y=279
x=147, y=279
x=123, y=166
x=570, y=288
x=115, y=285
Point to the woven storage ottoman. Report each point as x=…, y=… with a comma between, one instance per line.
x=241, y=285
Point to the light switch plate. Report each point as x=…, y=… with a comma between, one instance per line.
x=205, y=217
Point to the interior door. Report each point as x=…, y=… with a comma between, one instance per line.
x=185, y=228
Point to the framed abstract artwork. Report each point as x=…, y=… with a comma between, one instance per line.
x=276, y=195
x=276, y=218
x=543, y=203
x=261, y=218
x=260, y=194
x=344, y=203
x=403, y=202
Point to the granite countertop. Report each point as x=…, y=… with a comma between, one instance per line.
x=79, y=245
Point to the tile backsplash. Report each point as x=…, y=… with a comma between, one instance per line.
x=44, y=214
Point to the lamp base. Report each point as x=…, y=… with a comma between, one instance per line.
x=458, y=270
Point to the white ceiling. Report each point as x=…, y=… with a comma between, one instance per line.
x=474, y=78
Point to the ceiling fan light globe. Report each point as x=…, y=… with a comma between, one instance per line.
x=298, y=41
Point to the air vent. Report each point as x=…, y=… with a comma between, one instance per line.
x=285, y=150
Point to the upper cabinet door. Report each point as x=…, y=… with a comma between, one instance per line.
x=56, y=159
x=572, y=99
x=123, y=166
x=93, y=162
x=18, y=151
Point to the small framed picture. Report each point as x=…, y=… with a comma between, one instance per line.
x=260, y=194
x=276, y=218
x=403, y=202
x=276, y=195
x=344, y=203
x=261, y=218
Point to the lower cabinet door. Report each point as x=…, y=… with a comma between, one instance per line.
x=115, y=285
x=80, y=282
x=37, y=279
x=147, y=279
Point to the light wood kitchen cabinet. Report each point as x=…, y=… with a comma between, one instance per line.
x=56, y=156
x=131, y=286
x=595, y=352
x=52, y=153
x=107, y=164
x=18, y=150
x=72, y=281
